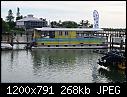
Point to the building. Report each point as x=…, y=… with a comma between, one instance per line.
x=30, y=22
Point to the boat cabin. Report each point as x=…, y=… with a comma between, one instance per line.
x=67, y=36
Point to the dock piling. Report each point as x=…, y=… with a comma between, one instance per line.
x=121, y=45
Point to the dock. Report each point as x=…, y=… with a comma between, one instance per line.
x=20, y=42
x=109, y=40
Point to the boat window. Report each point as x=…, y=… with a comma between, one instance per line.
x=80, y=34
x=51, y=34
x=44, y=34
x=60, y=33
x=66, y=33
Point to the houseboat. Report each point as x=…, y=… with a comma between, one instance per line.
x=69, y=38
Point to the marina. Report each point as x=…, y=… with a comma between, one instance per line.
x=84, y=39
x=60, y=64
x=83, y=42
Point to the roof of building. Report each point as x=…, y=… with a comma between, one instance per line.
x=68, y=29
x=29, y=18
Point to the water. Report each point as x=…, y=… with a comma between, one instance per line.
x=55, y=66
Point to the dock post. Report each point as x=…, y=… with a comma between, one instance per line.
x=12, y=40
x=110, y=41
x=27, y=36
x=121, y=45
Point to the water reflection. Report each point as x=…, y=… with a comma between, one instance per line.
x=75, y=64
x=61, y=65
x=53, y=59
x=113, y=74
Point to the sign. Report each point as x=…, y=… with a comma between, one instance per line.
x=96, y=19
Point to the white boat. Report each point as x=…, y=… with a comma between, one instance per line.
x=5, y=46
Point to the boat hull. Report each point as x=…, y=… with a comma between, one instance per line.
x=70, y=47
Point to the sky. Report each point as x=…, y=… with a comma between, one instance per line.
x=112, y=14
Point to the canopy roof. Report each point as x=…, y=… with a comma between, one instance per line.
x=68, y=29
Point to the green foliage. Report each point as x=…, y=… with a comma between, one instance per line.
x=10, y=17
x=19, y=17
x=91, y=26
x=54, y=24
x=69, y=24
x=19, y=29
x=11, y=25
x=10, y=20
x=5, y=26
x=85, y=24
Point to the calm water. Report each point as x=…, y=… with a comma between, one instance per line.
x=55, y=66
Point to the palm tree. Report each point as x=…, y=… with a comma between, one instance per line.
x=10, y=17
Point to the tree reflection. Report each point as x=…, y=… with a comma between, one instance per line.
x=52, y=59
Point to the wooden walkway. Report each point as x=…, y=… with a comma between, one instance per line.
x=115, y=43
x=15, y=42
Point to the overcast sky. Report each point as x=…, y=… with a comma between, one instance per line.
x=111, y=13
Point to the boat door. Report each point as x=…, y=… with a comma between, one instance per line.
x=51, y=34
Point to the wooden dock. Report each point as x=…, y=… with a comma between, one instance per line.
x=108, y=34
x=15, y=42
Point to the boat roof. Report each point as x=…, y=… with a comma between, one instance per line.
x=68, y=29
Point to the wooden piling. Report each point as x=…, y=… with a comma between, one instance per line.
x=121, y=45
x=110, y=41
x=12, y=40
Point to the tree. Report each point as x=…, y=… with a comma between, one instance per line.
x=10, y=20
x=60, y=23
x=18, y=15
x=84, y=24
x=69, y=24
x=54, y=24
x=91, y=26
x=11, y=25
x=10, y=17
x=5, y=26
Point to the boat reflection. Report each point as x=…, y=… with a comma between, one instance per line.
x=52, y=59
